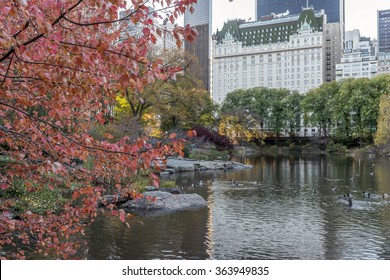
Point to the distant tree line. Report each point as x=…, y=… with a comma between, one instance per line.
x=345, y=109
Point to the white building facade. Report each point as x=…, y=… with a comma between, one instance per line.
x=358, y=59
x=384, y=63
x=165, y=40
x=280, y=53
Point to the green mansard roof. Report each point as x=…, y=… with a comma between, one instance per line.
x=271, y=31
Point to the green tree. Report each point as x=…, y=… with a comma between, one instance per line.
x=356, y=107
x=185, y=104
x=294, y=112
x=317, y=104
x=268, y=106
x=177, y=101
x=277, y=119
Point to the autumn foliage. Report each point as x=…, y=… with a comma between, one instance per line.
x=61, y=67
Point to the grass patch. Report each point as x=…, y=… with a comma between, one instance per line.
x=168, y=184
x=37, y=199
x=209, y=154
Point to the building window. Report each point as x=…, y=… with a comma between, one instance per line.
x=253, y=61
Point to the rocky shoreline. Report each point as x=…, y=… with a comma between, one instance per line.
x=156, y=201
x=163, y=200
x=186, y=165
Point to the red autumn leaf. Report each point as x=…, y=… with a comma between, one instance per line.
x=156, y=183
x=122, y=215
x=191, y=133
x=75, y=195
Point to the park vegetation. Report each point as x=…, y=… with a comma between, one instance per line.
x=350, y=111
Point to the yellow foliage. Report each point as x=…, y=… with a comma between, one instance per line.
x=232, y=127
x=123, y=106
x=150, y=121
x=382, y=136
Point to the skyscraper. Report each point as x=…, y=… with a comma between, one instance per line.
x=201, y=21
x=334, y=9
x=384, y=31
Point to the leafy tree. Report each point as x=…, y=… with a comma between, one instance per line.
x=317, y=105
x=136, y=102
x=179, y=102
x=278, y=111
x=382, y=136
x=186, y=105
x=267, y=106
x=356, y=106
x=294, y=112
x=61, y=67
x=240, y=125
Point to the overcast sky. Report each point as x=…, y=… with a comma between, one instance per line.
x=359, y=14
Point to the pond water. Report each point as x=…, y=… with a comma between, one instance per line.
x=285, y=207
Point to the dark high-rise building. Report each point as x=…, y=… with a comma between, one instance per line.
x=200, y=19
x=334, y=9
x=384, y=31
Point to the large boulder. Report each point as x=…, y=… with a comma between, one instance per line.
x=165, y=202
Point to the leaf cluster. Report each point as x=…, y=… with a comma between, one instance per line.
x=61, y=67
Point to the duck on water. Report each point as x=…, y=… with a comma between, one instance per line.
x=374, y=196
x=346, y=198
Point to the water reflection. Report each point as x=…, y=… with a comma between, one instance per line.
x=283, y=208
x=154, y=237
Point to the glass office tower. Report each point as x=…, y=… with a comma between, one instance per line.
x=334, y=9
x=384, y=31
x=200, y=19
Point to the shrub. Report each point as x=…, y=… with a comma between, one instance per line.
x=208, y=154
x=221, y=142
x=38, y=200
x=336, y=148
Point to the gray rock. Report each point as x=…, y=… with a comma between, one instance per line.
x=165, y=202
x=150, y=188
x=184, y=168
x=113, y=199
x=182, y=165
x=170, y=170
